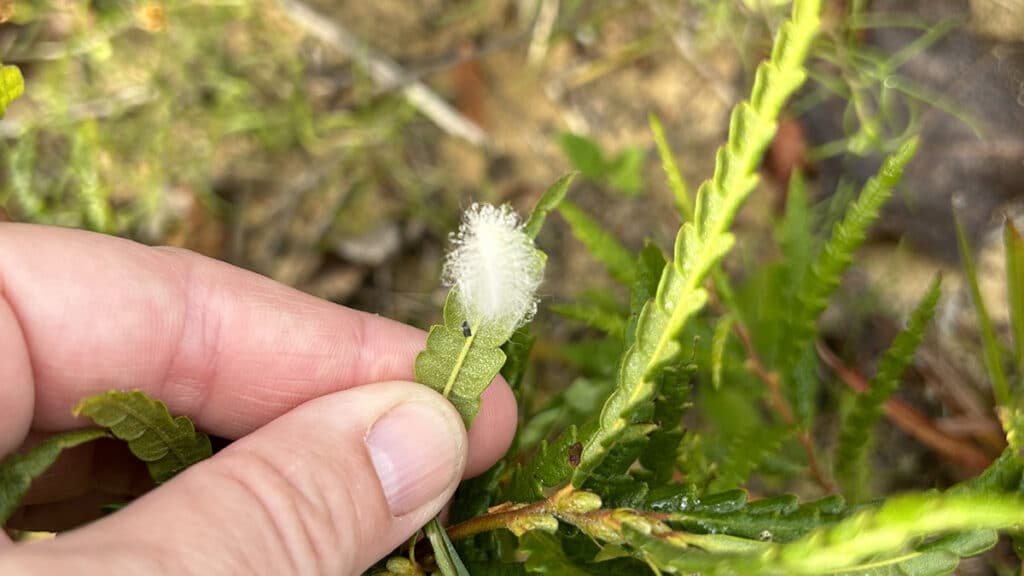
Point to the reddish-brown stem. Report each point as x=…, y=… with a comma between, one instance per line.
x=496, y=520
x=910, y=420
x=776, y=399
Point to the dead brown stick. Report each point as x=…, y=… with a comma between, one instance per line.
x=385, y=72
x=910, y=420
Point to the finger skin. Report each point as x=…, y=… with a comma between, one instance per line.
x=298, y=496
x=82, y=313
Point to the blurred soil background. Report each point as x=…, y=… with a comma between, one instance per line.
x=332, y=146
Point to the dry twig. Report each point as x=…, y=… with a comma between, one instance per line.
x=385, y=72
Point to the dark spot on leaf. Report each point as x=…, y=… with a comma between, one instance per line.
x=465, y=329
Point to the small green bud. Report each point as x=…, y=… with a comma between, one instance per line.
x=580, y=502
x=542, y=522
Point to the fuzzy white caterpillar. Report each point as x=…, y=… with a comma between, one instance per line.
x=494, y=267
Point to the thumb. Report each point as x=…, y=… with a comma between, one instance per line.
x=328, y=488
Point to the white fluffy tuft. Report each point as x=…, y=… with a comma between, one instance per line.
x=494, y=266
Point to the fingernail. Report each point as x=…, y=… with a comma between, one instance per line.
x=415, y=450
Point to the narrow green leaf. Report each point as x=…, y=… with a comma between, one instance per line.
x=448, y=561
x=701, y=244
x=680, y=191
x=167, y=445
x=548, y=202
x=718, y=342
x=18, y=470
x=989, y=342
x=12, y=85
x=602, y=245
x=1014, y=244
x=855, y=433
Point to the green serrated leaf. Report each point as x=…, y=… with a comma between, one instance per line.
x=748, y=452
x=649, y=265
x=517, y=355
x=779, y=519
x=943, y=556
x=889, y=529
x=167, y=445
x=676, y=182
x=548, y=202
x=855, y=433
x=602, y=245
x=458, y=366
x=550, y=466
x=18, y=470
x=702, y=243
x=658, y=456
x=12, y=86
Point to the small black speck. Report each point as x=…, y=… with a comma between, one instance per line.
x=465, y=329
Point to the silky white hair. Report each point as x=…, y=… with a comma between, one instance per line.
x=494, y=266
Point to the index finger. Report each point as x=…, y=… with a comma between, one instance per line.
x=81, y=313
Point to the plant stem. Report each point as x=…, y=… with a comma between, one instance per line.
x=775, y=398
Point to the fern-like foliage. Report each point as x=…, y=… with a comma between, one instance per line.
x=601, y=244
x=594, y=315
x=883, y=540
x=18, y=470
x=680, y=191
x=747, y=454
x=166, y=444
x=856, y=431
x=701, y=244
x=779, y=519
x=880, y=537
x=837, y=254
x=549, y=466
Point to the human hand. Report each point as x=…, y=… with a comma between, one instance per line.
x=337, y=462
